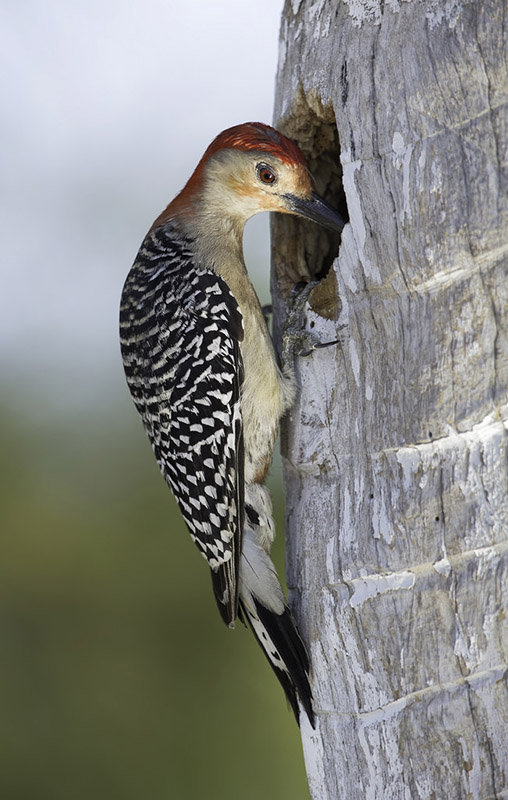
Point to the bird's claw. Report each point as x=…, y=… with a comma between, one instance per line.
x=316, y=345
x=296, y=341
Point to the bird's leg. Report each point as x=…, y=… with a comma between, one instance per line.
x=267, y=313
x=296, y=341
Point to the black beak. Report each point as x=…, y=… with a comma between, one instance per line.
x=317, y=210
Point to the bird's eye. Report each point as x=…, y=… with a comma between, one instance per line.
x=266, y=174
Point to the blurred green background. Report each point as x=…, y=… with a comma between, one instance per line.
x=117, y=677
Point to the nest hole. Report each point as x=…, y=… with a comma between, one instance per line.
x=302, y=249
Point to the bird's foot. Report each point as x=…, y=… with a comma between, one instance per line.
x=296, y=341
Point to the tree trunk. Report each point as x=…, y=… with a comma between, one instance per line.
x=396, y=453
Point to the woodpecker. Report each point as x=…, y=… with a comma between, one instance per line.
x=204, y=376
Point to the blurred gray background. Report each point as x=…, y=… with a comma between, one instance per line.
x=106, y=110
x=117, y=677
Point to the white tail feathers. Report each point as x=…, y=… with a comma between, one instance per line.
x=258, y=578
x=262, y=604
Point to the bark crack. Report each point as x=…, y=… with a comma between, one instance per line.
x=420, y=139
x=422, y=570
x=387, y=711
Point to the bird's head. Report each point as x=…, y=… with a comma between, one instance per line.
x=252, y=168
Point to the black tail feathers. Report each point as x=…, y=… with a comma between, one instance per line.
x=285, y=651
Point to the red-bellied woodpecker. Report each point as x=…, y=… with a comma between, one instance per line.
x=205, y=379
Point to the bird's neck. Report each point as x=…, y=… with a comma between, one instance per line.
x=218, y=239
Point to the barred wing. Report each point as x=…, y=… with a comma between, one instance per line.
x=180, y=329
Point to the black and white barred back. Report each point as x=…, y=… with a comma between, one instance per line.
x=180, y=329
x=180, y=333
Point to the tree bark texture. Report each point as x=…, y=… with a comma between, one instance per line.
x=396, y=453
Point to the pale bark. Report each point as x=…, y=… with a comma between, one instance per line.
x=396, y=453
